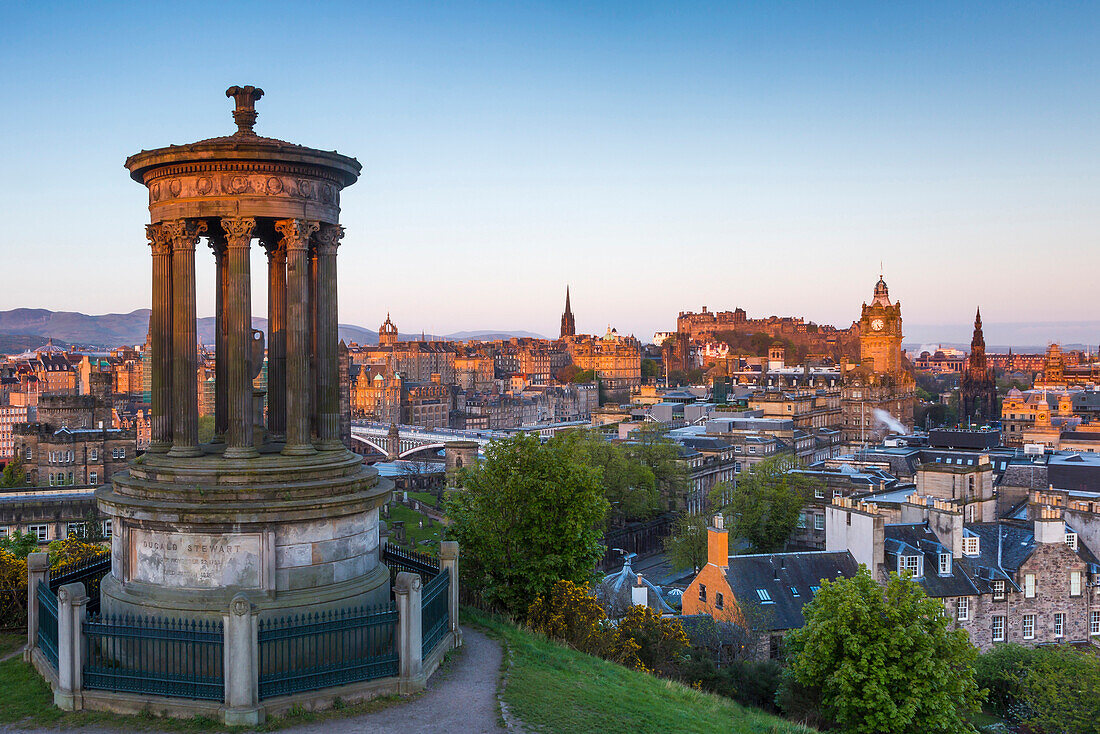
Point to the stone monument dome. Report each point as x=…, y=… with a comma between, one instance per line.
x=275, y=506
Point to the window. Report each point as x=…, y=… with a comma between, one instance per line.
x=998, y=590
x=1029, y=585
x=945, y=564
x=77, y=529
x=1029, y=627
x=122, y=453
x=719, y=600
x=3, y=531
x=752, y=449
x=1094, y=622
x=93, y=477
x=107, y=529
x=765, y=597
x=962, y=609
x=794, y=591
x=814, y=590
x=819, y=522
x=910, y=564
x=802, y=520
x=1059, y=624
x=819, y=492
x=970, y=545
x=998, y=628
x=93, y=454
x=1075, y=583
x=702, y=592
x=42, y=532
x=1071, y=540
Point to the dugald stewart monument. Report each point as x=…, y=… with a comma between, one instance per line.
x=282, y=510
x=246, y=575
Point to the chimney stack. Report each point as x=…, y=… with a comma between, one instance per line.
x=718, y=543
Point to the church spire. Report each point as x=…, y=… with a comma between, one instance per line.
x=568, y=323
x=978, y=342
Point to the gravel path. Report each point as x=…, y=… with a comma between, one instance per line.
x=462, y=699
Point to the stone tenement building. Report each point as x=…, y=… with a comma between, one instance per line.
x=616, y=359
x=881, y=381
x=1030, y=581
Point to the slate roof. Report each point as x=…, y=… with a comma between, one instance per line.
x=917, y=539
x=788, y=580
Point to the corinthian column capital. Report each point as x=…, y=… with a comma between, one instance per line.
x=184, y=233
x=238, y=230
x=158, y=239
x=296, y=232
x=328, y=239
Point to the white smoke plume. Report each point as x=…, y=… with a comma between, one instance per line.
x=889, y=421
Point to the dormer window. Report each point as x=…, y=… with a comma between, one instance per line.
x=910, y=564
x=970, y=545
x=945, y=564
x=998, y=590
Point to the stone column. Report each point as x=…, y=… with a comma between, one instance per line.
x=184, y=234
x=276, y=341
x=296, y=234
x=407, y=590
x=221, y=403
x=448, y=561
x=72, y=601
x=38, y=570
x=242, y=664
x=313, y=382
x=327, y=340
x=160, y=342
x=238, y=319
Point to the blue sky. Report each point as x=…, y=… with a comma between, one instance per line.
x=656, y=156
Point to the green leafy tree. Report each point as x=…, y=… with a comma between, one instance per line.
x=764, y=505
x=529, y=515
x=883, y=660
x=653, y=449
x=650, y=369
x=629, y=486
x=19, y=544
x=1062, y=692
x=686, y=544
x=14, y=474
x=584, y=376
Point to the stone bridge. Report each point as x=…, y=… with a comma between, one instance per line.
x=401, y=442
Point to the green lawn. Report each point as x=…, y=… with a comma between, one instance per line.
x=552, y=688
x=415, y=533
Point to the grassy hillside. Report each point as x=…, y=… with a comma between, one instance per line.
x=555, y=689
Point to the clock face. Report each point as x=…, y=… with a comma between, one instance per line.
x=877, y=324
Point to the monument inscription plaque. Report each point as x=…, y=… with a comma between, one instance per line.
x=196, y=561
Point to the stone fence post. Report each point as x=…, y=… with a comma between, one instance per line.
x=38, y=569
x=72, y=601
x=242, y=663
x=407, y=590
x=448, y=559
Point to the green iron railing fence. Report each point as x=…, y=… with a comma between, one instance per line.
x=400, y=560
x=47, y=622
x=435, y=607
x=90, y=573
x=332, y=648
x=166, y=657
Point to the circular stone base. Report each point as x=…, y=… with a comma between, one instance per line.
x=294, y=534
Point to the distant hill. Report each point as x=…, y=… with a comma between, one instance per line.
x=20, y=327
x=16, y=343
x=488, y=336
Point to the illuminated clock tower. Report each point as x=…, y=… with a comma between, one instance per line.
x=880, y=332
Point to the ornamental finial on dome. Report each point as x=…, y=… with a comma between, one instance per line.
x=245, y=112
